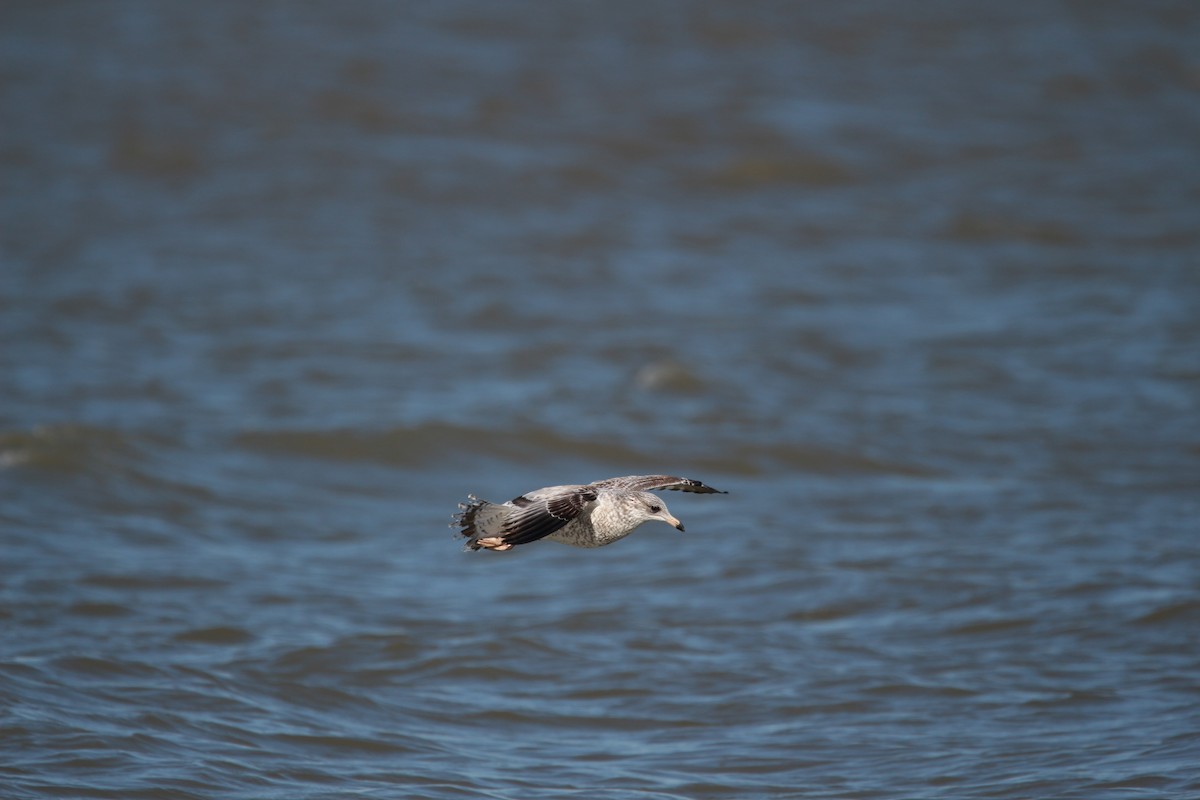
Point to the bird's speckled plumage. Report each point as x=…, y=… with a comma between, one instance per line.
x=583, y=515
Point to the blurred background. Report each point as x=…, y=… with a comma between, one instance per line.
x=918, y=284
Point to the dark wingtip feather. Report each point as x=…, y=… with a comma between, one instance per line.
x=694, y=486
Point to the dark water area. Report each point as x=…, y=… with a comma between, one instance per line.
x=917, y=284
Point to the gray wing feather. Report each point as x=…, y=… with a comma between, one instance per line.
x=536, y=517
x=641, y=483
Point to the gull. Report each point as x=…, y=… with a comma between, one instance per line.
x=583, y=515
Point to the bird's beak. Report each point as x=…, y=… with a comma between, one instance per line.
x=671, y=520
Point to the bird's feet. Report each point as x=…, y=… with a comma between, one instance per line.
x=493, y=543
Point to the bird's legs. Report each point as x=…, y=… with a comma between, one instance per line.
x=493, y=543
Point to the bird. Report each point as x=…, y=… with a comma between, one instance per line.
x=583, y=514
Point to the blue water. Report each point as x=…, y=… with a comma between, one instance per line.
x=281, y=285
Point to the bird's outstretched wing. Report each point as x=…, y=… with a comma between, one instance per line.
x=642, y=483
x=544, y=511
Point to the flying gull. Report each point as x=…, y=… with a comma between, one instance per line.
x=583, y=515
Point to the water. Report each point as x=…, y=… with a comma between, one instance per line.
x=283, y=283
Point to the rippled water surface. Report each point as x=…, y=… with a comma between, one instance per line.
x=919, y=285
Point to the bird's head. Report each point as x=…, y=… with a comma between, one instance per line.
x=650, y=506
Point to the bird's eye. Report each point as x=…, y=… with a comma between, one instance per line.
x=655, y=509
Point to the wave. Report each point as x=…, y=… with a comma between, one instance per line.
x=437, y=442
x=442, y=442
x=75, y=448
x=136, y=469
x=66, y=447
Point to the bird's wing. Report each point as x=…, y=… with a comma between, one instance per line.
x=544, y=511
x=643, y=483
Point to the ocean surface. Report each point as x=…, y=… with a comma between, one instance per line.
x=917, y=284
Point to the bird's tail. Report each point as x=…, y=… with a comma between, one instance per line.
x=476, y=519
